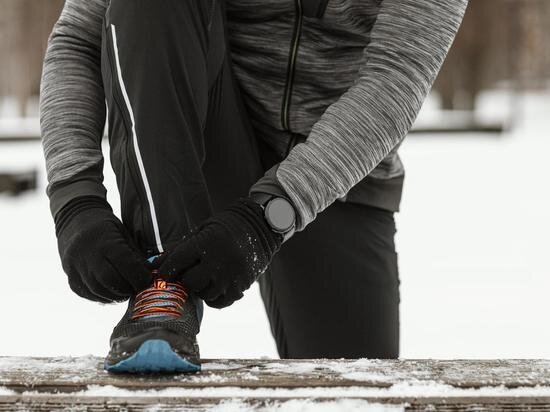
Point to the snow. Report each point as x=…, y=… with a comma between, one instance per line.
x=402, y=390
x=399, y=390
x=298, y=405
x=6, y=392
x=473, y=240
x=215, y=366
x=350, y=370
x=77, y=369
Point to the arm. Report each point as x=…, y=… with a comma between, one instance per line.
x=410, y=41
x=96, y=251
x=72, y=104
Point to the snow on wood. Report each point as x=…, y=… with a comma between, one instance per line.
x=59, y=383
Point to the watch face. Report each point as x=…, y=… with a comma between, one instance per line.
x=280, y=214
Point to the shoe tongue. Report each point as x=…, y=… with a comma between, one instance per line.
x=159, y=284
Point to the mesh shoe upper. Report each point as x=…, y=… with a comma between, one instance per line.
x=157, y=313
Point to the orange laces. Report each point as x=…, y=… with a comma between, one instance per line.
x=161, y=299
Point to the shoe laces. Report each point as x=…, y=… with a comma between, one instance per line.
x=162, y=298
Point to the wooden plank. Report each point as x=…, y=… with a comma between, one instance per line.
x=73, y=374
x=57, y=403
x=61, y=383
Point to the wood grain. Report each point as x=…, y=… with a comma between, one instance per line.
x=60, y=383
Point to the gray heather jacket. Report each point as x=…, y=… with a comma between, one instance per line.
x=346, y=78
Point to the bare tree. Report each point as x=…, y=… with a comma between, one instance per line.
x=24, y=29
x=500, y=42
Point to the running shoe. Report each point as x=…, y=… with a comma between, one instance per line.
x=157, y=334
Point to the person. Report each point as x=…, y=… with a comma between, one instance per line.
x=250, y=141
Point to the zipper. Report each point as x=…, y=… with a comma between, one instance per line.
x=291, y=68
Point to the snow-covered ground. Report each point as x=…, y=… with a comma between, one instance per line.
x=473, y=239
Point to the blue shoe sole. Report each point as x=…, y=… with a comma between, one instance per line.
x=154, y=356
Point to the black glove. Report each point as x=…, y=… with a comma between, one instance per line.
x=222, y=257
x=97, y=253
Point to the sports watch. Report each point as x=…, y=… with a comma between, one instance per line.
x=278, y=213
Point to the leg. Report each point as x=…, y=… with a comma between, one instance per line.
x=166, y=77
x=232, y=163
x=176, y=132
x=333, y=290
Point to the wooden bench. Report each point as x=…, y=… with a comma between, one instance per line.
x=81, y=384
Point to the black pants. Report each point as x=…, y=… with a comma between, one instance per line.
x=182, y=148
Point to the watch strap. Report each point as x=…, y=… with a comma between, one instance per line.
x=263, y=199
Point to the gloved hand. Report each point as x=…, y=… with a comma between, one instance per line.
x=97, y=252
x=222, y=257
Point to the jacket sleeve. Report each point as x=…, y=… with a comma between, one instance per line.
x=72, y=104
x=409, y=43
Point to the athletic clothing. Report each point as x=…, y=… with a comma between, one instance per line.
x=362, y=70
x=332, y=291
x=346, y=77
x=182, y=147
x=157, y=333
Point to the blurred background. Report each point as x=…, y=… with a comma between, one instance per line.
x=473, y=234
